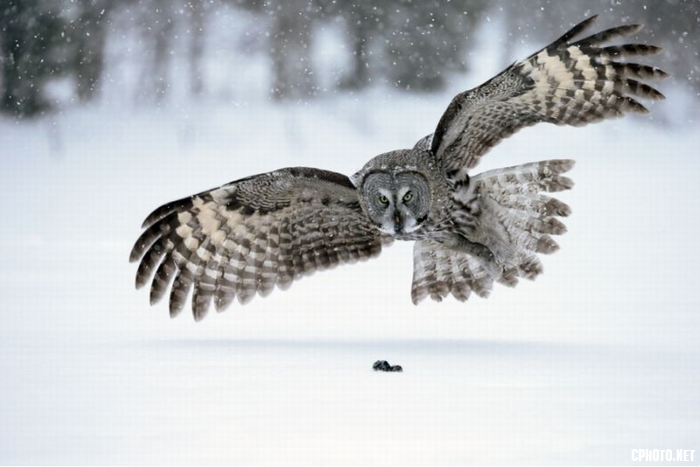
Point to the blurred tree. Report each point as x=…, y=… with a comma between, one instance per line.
x=290, y=47
x=405, y=42
x=257, y=6
x=424, y=40
x=676, y=23
x=197, y=12
x=34, y=48
x=361, y=20
x=155, y=22
x=160, y=29
x=89, y=36
x=408, y=43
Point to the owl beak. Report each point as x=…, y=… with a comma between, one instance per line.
x=398, y=222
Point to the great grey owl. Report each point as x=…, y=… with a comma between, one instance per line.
x=253, y=234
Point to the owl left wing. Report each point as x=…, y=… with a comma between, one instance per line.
x=251, y=235
x=514, y=219
x=566, y=83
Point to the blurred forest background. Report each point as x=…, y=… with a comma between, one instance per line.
x=62, y=53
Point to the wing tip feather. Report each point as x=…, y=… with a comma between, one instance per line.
x=563, y=165
x=134, y=255
x=575, y=30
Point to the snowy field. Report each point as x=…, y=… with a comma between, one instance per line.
x=599, y=356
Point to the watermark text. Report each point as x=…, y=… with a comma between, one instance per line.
x=661, y=455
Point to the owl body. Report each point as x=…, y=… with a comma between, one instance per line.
x=469, y=230
x=450, y=214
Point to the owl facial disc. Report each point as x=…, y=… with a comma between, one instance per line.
x=398, y=203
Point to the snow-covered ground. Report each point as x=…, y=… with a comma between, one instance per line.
x=599, y=356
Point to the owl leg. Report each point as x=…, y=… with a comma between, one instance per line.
x=478, y=250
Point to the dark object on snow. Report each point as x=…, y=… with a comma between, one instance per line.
x=383, y=365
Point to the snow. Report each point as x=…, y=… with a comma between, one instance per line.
x=297, y=401
x=599, y=356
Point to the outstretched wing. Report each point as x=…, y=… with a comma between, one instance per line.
x=512, y=217
x=567, y=83
x=251, y=235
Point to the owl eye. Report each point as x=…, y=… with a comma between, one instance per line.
x=383, y=199
x=408, y=196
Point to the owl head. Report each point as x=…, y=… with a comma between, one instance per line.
x=397, y=191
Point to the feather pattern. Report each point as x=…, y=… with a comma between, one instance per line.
x=439, y=271
x=511, y=217
x=565, y=83
x=251, y=235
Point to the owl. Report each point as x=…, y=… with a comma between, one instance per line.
x=469, y=231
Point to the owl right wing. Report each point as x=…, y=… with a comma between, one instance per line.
x=569, y=82
x=251, y=235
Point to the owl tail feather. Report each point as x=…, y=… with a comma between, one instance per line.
x=513, y=219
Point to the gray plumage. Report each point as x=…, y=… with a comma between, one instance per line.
x=252, y=235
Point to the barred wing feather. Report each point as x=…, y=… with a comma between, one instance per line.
x=251, y=235
x=513, y=218
x=566, y=83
